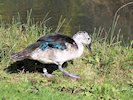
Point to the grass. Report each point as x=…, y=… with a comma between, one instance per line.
x=106, y=74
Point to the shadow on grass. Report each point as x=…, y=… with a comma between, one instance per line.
x=31, y=66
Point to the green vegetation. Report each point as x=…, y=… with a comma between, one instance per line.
x=106, y=74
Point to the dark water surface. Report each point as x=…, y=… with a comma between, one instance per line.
x=79, y=14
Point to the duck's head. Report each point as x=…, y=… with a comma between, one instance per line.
x=84, y=38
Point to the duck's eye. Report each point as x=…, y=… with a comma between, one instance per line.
x=88, y=38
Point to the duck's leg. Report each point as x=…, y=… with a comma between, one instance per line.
x=45, y=73
x=67, y=73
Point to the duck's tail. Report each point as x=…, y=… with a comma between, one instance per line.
x=19, y=56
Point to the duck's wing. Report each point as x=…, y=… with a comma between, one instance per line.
x=56, y=41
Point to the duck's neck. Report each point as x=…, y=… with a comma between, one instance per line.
x=80, y=48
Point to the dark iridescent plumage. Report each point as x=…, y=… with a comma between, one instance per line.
x=55, y=41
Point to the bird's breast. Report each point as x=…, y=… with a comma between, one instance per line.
x=53, y=55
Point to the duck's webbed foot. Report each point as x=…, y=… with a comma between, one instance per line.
x=45, y=73
x=68, y=74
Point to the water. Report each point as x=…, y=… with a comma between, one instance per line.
x=78, y=14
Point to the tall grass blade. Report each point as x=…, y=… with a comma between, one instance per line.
x=60, y=23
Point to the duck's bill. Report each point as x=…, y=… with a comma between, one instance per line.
x=89, y=47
